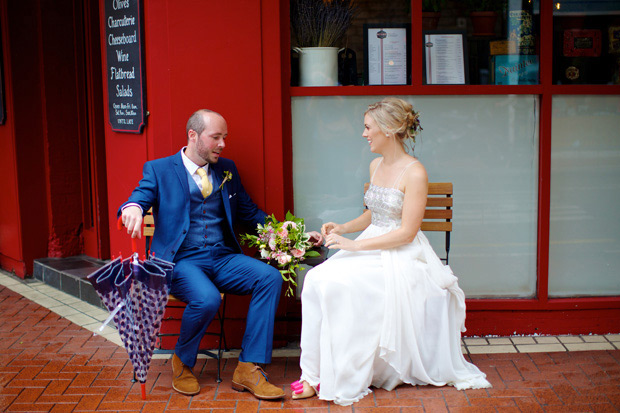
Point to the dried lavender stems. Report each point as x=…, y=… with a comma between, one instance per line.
x=320, y=23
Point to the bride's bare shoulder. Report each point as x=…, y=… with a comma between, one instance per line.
x=416, y=176
x=374, y=163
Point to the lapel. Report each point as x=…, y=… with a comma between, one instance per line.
x=217, y=180
x=216, y=177
x=181, y=172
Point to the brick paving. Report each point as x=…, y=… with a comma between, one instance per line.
x=48, y=363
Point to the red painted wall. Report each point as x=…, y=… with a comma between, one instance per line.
x=23, y=214
x=195, y=58
x=41, y=211
x=206, y=55
x=11, y=256
x=60, y=92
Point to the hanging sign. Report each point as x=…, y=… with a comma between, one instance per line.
x=124, y=55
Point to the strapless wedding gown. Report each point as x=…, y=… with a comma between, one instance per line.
x=384, y=317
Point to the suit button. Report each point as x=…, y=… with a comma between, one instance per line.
x=184, y=231
x=204, y=211
x=172, y=252
x=206, y=226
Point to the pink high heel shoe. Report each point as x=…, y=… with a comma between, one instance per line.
x=302, y=390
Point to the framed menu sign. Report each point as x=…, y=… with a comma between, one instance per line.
x=445, y=58
x=125, y=65
x=387, y=59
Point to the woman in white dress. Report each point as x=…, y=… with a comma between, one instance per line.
x=384, y=310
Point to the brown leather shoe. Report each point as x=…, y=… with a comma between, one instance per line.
x=250, y=377
x=183, y=379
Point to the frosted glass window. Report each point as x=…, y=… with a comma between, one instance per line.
x=486, y=145
x=584, y=250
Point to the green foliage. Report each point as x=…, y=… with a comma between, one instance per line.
x=433, y=5
x=486, y=5
x=285, y=244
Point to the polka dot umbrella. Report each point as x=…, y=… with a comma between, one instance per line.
x=135, y=292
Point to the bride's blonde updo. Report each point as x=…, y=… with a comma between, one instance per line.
x=397, y=117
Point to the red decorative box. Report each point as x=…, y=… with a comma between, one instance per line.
x=578, y=42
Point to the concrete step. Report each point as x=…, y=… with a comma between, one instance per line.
x=69, y=275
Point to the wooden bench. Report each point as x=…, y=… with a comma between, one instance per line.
x=174, y=312
x=438, y=213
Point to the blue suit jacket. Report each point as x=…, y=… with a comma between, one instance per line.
x=164, y=186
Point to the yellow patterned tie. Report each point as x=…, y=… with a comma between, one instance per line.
x=207, y=188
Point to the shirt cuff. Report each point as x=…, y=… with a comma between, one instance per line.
x=132, y=204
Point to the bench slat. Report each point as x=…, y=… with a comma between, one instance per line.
x=440, y=188
x=439, y=202
x=438, y=214
x=436, y=226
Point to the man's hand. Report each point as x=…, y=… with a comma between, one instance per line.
x=316, y=238
x=132, y=220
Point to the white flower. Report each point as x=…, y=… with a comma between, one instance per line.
x=284, y=259
x=289, y=223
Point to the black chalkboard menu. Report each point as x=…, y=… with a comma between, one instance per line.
x=124, y=52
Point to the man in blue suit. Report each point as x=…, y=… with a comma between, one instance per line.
x=197, y=197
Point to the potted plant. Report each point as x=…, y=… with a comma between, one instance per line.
x=318, y=28
x=431, y=13
x=483, y=14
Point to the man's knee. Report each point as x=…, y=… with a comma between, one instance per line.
x=276, y=277
x=270, y=276
x=206, y=305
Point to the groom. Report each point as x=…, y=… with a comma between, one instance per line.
x=197, y=198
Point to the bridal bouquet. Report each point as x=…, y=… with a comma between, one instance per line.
x=285, y=243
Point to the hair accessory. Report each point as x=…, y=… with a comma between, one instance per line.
x=415, y=127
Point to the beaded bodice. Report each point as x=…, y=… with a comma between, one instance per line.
x=385, y=204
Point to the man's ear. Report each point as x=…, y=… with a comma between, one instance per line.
x=192, y=135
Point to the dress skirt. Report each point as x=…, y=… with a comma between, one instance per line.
x=382, y=318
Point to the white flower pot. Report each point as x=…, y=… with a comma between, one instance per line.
x=318, y=66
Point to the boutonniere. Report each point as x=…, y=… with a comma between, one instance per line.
x=227, y=177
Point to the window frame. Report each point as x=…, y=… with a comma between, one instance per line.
x=545, y=91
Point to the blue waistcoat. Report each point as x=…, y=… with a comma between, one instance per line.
x=206, y=218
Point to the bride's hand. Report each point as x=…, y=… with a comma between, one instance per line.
x=334, y=241
x=331, y=228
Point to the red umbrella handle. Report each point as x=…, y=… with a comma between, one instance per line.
x=134, y=242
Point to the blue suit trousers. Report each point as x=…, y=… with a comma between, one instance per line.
x=201, y=274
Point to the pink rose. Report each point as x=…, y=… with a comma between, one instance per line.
x=298, y=253
x=283, y=233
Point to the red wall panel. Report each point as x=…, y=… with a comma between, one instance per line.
x=197, y=55
x=25, y=183
x=10, y=236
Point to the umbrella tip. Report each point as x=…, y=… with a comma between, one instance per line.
x=143, y=389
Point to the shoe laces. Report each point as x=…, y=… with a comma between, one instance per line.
x=260, y=370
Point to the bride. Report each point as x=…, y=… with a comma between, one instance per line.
x=384, y=310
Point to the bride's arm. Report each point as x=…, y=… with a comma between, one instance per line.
x=358, y=224
x=414, y=204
